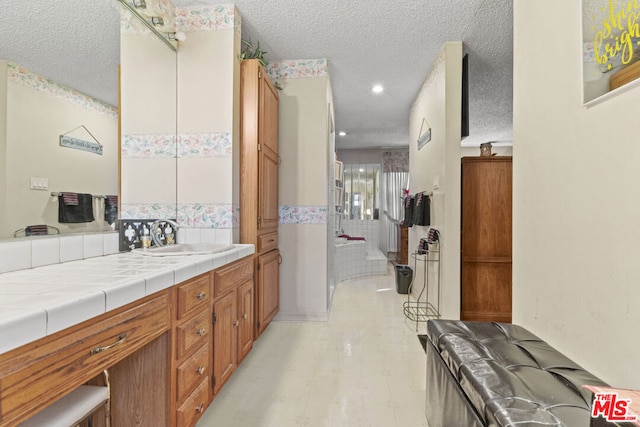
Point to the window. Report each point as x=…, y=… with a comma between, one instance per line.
x=361, y=191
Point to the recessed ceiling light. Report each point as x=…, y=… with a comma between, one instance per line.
x=342, y=133
x=377, y=89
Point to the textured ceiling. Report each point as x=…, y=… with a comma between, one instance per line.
x=76, y=43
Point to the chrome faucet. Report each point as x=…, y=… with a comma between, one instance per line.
x=156, y=232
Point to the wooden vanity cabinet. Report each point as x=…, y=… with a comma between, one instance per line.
x=191, y=363
x=259, y=164
x=232, y=318
x=168, y=354
x=35, y=375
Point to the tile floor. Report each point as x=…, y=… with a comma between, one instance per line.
x=365, y=367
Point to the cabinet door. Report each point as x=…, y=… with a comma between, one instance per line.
x=268, y=115
x=245, y=317
x=268, y=190
x=268, y=158
x=224, y=339
x=486, y=239
x=268, y=288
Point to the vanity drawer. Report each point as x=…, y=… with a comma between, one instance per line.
x=192, y=370
x=194, y=405
x=36, y=375
x=266, y=242
x=229, y=276
x=193, y=295
x=193, y=332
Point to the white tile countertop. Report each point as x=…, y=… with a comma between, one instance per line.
x=40, y=301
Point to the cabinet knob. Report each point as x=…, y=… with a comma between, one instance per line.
x=235, y=323
x=200, y=408
x=245, y=316
x=201, y=332
x=201, y=295
x=200, y=370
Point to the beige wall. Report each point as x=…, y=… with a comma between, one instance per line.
x=148, y=113
x=576, y=215
x=303, y=182
x=303, y=142
x=440, y=103
x=34, y=121
x=3, y=144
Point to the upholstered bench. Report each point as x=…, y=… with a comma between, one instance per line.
x=497, y=374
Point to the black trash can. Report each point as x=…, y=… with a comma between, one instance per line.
x=404, y=276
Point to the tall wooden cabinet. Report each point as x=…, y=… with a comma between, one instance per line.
x=486, y=239
x=259, y=162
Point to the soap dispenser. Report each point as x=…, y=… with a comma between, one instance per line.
x=145, y=238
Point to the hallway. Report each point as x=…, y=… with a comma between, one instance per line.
x=363, y=368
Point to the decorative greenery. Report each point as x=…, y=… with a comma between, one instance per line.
x=249, y=52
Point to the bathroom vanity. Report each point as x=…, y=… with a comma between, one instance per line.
x=168, y=351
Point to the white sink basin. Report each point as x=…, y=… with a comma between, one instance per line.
x=340, y=240
x=185, y=249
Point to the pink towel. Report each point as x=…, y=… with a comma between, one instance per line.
x=70, y=199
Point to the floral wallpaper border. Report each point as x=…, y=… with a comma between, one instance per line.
x=25, y=77
x=153, y=146
x=208, y=18
x=147, y=210
x=303, y=214
x=225, y=216
x=206, y=215
x=221, y=17
x=298, y=69
x=148, y=146
x=205, y=145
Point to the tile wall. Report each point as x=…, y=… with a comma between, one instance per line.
x=20, y=254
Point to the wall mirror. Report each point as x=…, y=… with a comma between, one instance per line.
x=61, y=48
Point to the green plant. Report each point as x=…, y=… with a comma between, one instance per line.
x=249, y=52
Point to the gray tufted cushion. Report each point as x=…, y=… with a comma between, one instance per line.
x=511, y=376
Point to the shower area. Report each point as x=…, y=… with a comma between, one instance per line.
x=367, y=233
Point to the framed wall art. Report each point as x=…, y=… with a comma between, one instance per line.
x=610, y=46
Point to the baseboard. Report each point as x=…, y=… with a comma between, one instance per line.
x=301, y=317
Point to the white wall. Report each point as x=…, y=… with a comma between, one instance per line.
x=304, y=142
x=439, y=101
x=576, y=216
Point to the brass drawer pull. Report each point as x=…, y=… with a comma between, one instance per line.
x=200, y=408
x=201, y=332
x=97, y=350
x=201, y=295
x=200, y=370
x=272, y=240
x=245, y=316
x=235, y=323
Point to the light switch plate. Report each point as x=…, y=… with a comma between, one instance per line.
x=39, y=183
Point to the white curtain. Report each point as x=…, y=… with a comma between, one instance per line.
x=395, y=182
x=396, y=179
